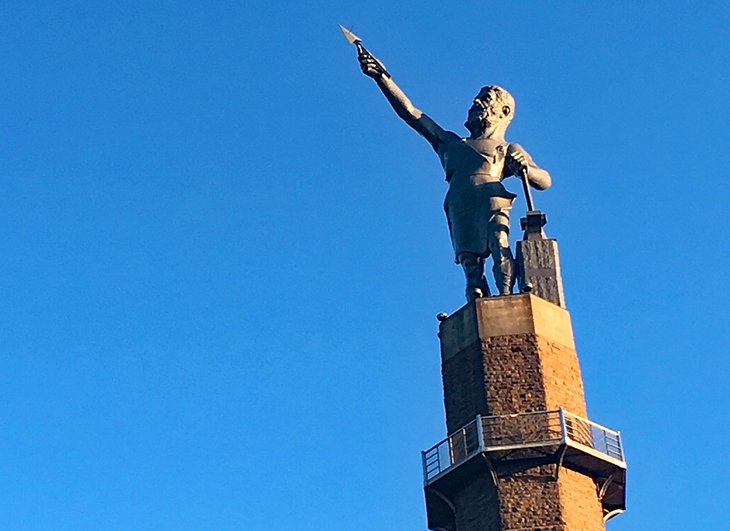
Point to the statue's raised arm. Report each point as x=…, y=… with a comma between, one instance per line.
x=401, y=104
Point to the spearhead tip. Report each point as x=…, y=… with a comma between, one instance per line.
x=350, y=36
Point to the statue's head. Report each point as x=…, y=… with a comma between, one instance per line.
x=493, y=107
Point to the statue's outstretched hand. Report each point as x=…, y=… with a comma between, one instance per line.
x=369, y=65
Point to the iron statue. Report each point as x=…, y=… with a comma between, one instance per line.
x=477, y=204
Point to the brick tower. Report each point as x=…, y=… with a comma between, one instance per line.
x=521, y=453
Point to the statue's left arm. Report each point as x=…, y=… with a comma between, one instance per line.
x=518, y=160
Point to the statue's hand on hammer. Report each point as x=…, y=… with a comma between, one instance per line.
x=369, y=65
x=517, y=160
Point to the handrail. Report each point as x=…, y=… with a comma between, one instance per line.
x=595, y=436
x=518, y=431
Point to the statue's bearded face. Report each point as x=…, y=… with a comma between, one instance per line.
x=489, y=109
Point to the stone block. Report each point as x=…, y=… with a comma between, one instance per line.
x=538, y=266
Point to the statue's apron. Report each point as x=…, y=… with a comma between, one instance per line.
x=477, y=205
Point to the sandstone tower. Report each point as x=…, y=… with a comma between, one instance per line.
x=521, y=453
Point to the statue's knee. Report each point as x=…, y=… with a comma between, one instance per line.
x=469, y=260
x=502, y=239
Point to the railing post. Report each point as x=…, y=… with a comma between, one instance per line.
x=452, y=457
x=464, y=453
x=425, y=472
x=563, y=426
x=480, y=433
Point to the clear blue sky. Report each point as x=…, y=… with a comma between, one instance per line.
x=222, y=253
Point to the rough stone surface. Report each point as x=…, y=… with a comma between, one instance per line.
x=530, y=499
x=511, y=374
x=476, y=502
x=579, y=501
x=506, y=355
x=538, y=263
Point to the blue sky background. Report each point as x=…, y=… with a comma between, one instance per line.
x=222, y=254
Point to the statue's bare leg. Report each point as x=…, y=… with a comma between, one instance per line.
x=504, y=263
x=476, y=283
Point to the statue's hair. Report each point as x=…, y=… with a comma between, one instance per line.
x=502, y=96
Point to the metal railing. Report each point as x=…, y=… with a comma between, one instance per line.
x=454, y=450
x=519, y=431
x=522, y=430
x=592, y=435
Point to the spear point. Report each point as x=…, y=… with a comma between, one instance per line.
x=350, y=36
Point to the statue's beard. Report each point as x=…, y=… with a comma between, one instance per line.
x=477, y=125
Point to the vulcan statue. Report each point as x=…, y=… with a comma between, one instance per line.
x=477, y=205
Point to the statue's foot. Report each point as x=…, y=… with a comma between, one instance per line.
x=473, y=294
x=505, y=290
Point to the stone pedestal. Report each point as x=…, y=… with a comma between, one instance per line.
x=538, y=267
x=503, y=356
x=538, y=260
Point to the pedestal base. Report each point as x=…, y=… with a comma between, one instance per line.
x=508, y=356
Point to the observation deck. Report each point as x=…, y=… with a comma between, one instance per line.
x=527, y=439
